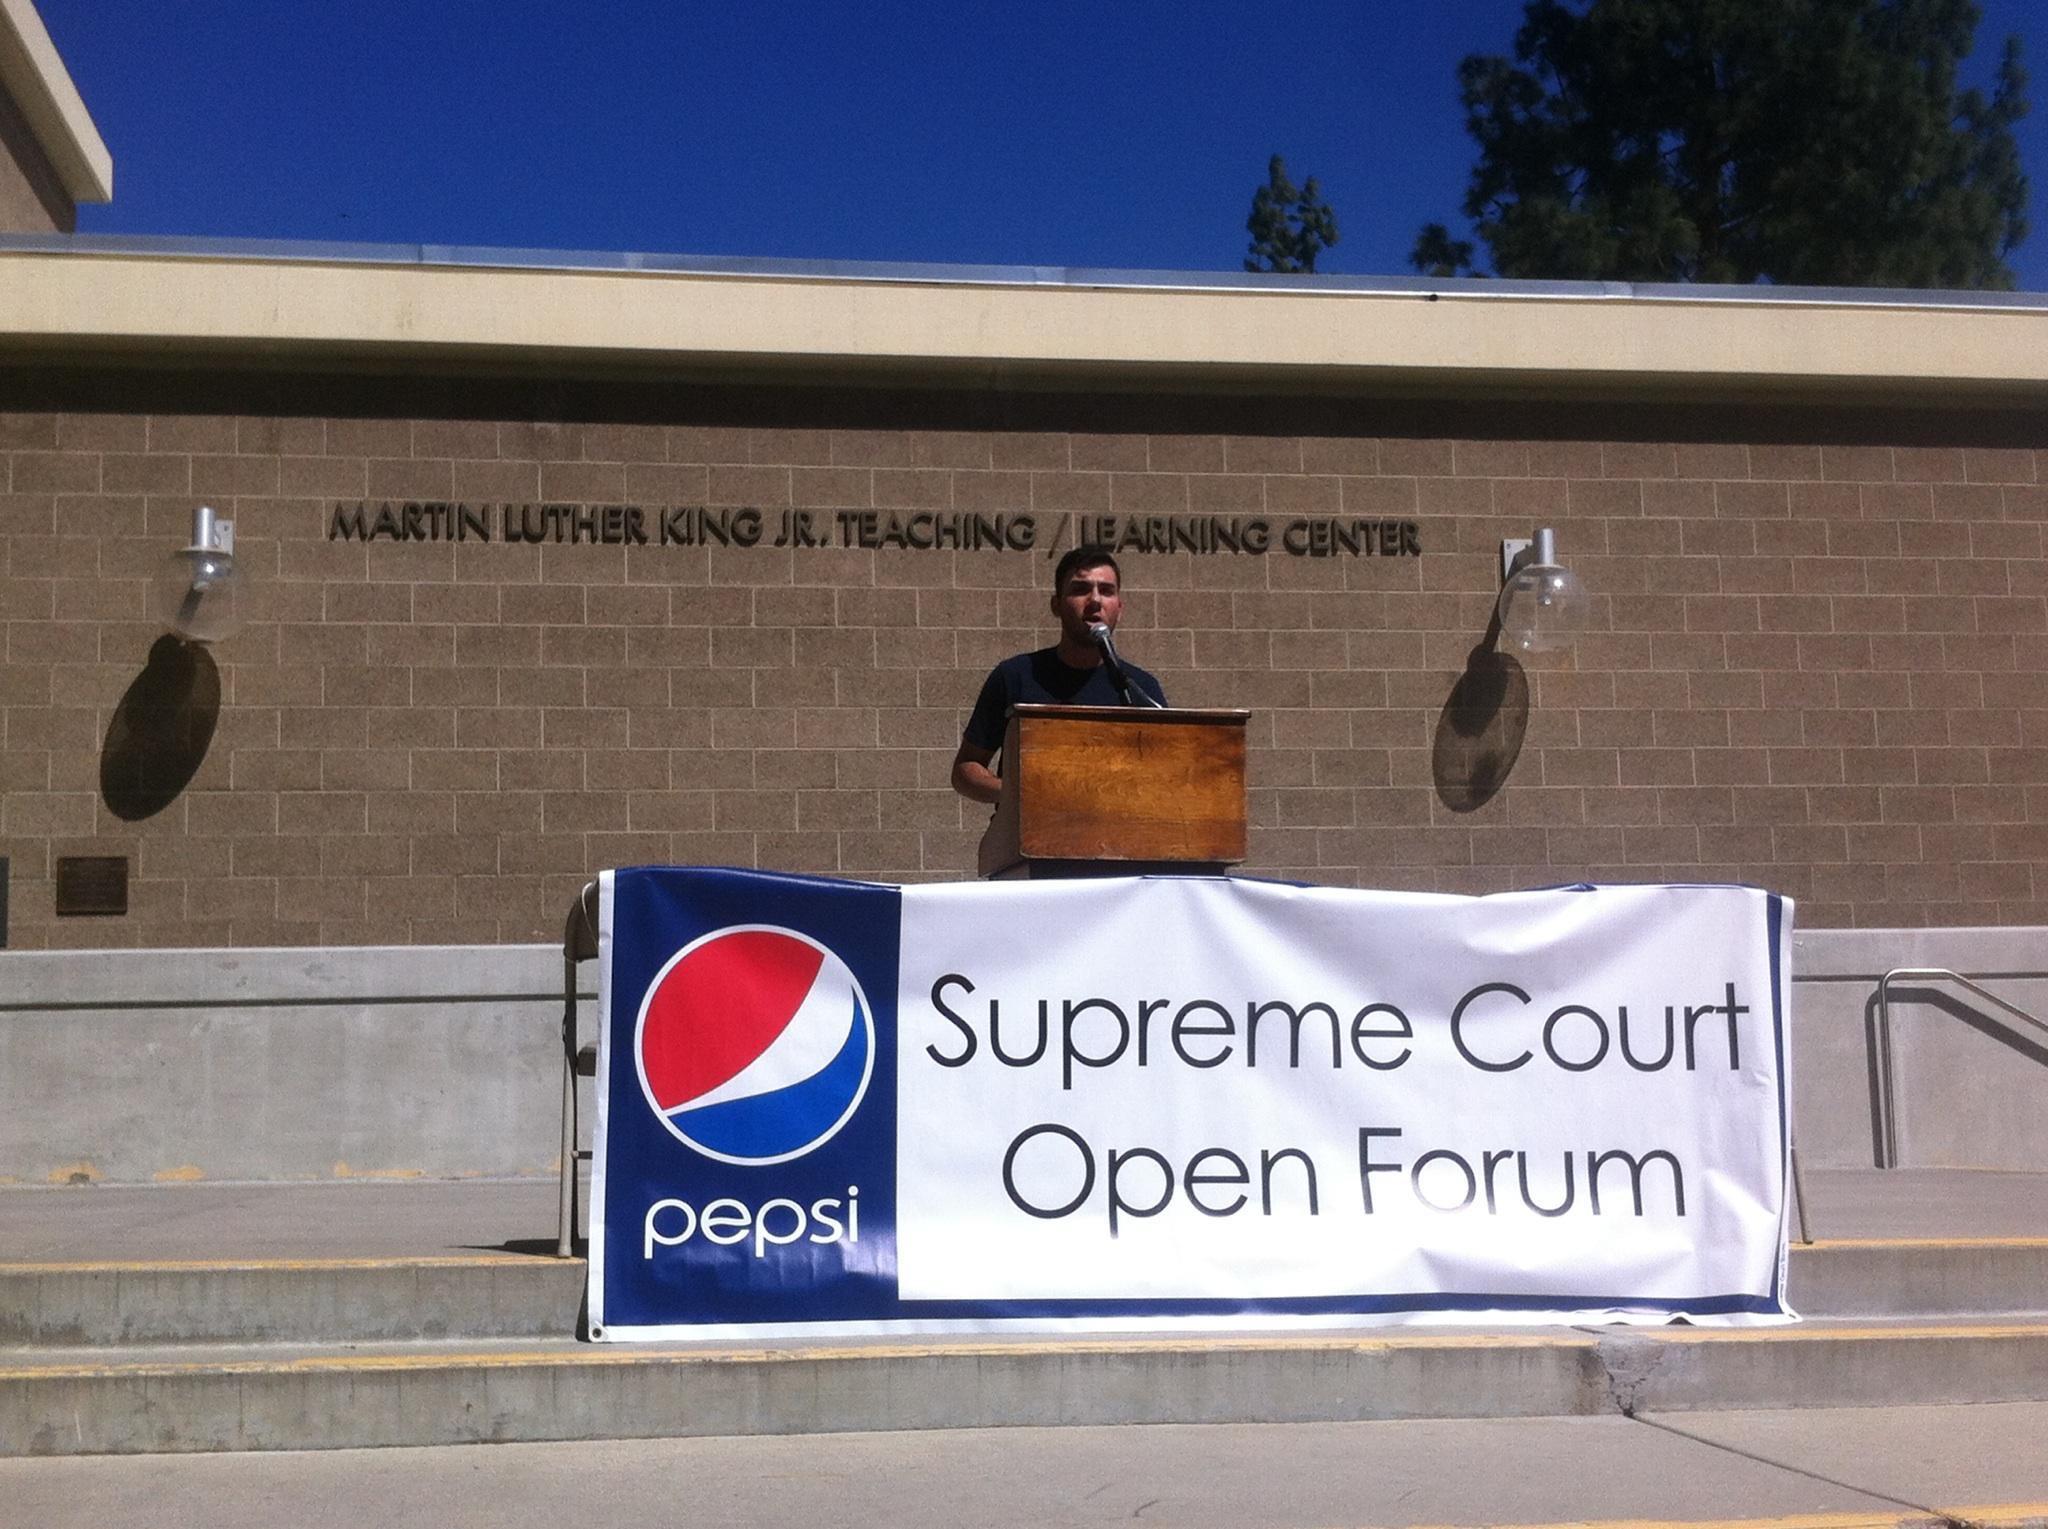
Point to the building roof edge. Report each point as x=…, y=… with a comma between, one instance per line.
x=759, y=267
x=35, y=77
x=95, y=297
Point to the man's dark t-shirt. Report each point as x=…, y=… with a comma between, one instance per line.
x=1042, y=679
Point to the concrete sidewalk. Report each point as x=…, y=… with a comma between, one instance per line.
x=401, y=1218
x=1793, y=1470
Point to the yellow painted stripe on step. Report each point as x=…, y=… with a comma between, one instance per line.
x=607, y=1354
x=613, y=1354
x=1823, y=1332
x=484, y=1260
x=237, y=1265
x=1998, y=1515
x=1850, y=1244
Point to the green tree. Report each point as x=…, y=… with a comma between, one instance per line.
x=1289, y=225
x=1817, y=142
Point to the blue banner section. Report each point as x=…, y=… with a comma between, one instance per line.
x=740, y=1185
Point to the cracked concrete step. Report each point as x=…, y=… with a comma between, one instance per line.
x=173, y=1400
x=509, y=1295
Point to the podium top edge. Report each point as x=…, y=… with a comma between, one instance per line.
x=1222, y=714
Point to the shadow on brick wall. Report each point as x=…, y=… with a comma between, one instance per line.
x=1479, y=732
x=159, y=735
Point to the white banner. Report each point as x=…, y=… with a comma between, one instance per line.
x=1164, y=1090
x=828, y=1107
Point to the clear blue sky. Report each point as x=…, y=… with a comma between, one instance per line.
x=1125, y=133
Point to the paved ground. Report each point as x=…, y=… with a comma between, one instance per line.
x=373, y=1219
x=1877, y=1466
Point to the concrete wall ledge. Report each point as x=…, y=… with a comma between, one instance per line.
x=70, y=979
x=1975, y=952
x=1971, y=1085
x=178, y=1066
x=444, y=1062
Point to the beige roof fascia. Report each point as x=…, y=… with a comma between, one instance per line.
x=1462, y=337
x=35, y=77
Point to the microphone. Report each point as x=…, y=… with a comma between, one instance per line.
x=1133, y=696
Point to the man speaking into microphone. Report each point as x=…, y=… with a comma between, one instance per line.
x=1083, y=669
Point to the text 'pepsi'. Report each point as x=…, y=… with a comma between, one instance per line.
x=728, y=1223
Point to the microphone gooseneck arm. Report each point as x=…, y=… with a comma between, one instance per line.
x=1133, y=695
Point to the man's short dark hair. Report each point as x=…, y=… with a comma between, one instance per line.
x=1094, y=555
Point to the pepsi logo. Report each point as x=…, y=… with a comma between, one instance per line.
x=754, y=1044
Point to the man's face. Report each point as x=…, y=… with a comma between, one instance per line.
x=1090, y=596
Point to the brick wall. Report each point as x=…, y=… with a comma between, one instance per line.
x=1816, y=659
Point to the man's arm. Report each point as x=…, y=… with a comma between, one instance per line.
x=972, y=777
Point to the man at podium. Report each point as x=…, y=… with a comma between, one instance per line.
x=1080, y=670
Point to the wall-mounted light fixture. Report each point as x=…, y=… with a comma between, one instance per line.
x=1542, y=603
x=198, y=593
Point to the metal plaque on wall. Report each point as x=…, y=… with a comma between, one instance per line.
x=91, y=884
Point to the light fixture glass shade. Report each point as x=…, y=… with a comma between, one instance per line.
x=1542, y=608
x=1542, y=603
x=198, y=590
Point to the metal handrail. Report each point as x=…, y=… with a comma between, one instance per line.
x=1887, y=1100
x=579, y=944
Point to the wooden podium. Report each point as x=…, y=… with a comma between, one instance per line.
x=1118, y=791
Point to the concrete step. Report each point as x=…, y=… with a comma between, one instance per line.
x=510, y=1295
x=256, y=1398
x=299, y=1300
x=1920, y=1277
